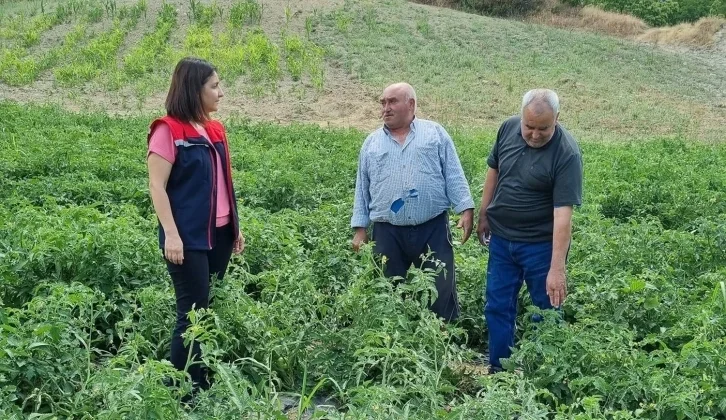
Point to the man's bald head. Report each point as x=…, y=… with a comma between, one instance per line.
x=404, y=88
x=398, y=105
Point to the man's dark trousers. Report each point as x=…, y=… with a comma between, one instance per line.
x=404, y=245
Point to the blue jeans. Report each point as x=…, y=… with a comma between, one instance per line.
x=511, y=264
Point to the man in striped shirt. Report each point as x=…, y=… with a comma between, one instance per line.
x=409, y=176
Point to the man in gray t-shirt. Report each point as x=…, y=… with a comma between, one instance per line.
x=533, y=182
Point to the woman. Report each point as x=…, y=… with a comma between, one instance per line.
x=190, y=180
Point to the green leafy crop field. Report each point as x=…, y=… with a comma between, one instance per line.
x=302, y=327
x=86, y=307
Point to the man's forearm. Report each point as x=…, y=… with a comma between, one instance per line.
x=458, y=192
x=361, y=200
x=562, y=234
x=490, y=184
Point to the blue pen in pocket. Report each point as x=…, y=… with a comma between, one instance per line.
x=397, y=205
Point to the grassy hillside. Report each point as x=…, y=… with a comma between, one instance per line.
x=327, y=61
x=474, y=69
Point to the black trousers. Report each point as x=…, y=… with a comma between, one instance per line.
x=191, y=286
x=404, y=245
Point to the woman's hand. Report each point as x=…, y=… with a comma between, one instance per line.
x=239, y=244
x=174, y=249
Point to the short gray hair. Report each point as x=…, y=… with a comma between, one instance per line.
x=546, y=96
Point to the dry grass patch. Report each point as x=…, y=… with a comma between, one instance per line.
x=591, y=18
x=612, y=23
x=555, y=13
x=699, y=34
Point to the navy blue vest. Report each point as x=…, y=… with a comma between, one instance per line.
x=192, y=186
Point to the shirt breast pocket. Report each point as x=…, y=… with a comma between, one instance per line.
x=428, y=159
x=538, y=178
x=379, y=167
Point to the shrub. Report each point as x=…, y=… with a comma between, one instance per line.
x=660, y=12
x=504, y=7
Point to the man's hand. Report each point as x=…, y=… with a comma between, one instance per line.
x=466, y=222
x=359, y=238
x=557, y=287
x=483, y=232
x=482, y=228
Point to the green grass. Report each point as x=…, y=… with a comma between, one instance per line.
x=86, y=307
x=473, y=69
x=18, y=69
x=72, y=62
x=90, y=60
x=11, y=7
x=230, y=37
x=244, y=12
x=27, y=33
x=98, y=56
x=468, y=70
x=147, y=63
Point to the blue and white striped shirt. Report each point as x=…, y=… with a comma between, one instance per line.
x=410, y=184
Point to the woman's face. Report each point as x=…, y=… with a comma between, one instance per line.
x=211, y=94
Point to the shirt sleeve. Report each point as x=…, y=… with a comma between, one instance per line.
x=457, y=187
x=162, y=144
x=568, y=182
x=493, y=159
x=361, y=204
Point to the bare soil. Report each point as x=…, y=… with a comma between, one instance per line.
x=343, y=102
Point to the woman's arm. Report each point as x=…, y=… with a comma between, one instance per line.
x=159, y=170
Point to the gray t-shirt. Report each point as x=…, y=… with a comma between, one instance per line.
x=532, y=182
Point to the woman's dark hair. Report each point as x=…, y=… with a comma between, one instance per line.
x=184, y=100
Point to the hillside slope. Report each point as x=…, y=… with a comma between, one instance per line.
x=469, y=70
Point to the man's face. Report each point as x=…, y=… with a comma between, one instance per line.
x=396, y=111
x=538, y=124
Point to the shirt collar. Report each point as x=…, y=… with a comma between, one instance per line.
x=412, y=126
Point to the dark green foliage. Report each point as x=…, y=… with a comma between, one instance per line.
x=503, y=8
x=86, y=307
x=661, y=12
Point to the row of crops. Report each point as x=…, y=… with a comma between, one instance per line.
x=86, y=307
x=96, y=46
